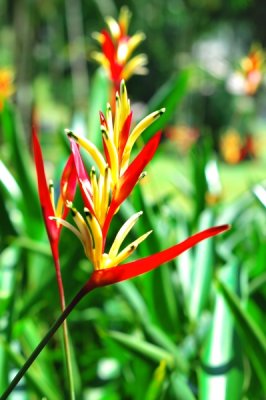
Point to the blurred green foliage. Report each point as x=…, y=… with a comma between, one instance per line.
x=193, y=329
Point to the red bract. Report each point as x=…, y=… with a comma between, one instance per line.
x=132, y=269
x=110, y=53
x=82, y=176
x=67, y=190
x=124, y=135
x=44, y=193
x=130, y=177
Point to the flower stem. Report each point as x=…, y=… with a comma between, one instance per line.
x=83, y=291
x=65, y=327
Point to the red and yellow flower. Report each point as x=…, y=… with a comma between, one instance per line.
x=106, y=186
x=117, y=49
x=50, y=208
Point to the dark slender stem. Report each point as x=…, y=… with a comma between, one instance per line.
x=84, y=290
x=54, y=247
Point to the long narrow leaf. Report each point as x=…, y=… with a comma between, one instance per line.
x=221, y=376
x=168, y=96
x=253, y=339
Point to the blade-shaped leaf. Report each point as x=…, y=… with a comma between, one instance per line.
x=202, y=270
x=99, y=92
x=143, y=348
x=221, y=374
x=168, y=96
x=253, y=339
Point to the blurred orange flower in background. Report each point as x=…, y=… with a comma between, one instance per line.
x=252, y=68
x=6, y=85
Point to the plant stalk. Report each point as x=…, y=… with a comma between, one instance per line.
x=79, y=296
x=65, y=329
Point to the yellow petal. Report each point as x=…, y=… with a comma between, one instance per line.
x=68, y=226
x=98, y=36
x=124, y=19
x=117, y=120
x=134, y=41
x=134, y=65
x=101, y=59
x=137, y=131
x=122, y=233
x=113, y=27
x=87, y=239
x=97, y=236
x=125, y=104
x=127, y=251
x=90, y=148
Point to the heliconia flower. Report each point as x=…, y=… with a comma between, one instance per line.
x=117, y=48
x=106, y=187
x=104, y=194
x=46, y=192
x=6, y=85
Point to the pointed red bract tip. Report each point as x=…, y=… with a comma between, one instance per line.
x=132, y=269
x=44, y=194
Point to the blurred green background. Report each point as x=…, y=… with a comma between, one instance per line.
x=193, y=329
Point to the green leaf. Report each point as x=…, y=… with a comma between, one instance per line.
x=202, y=270
x=163, y=308
x=253, y=339
x=184, y=263
x=35, y=378
x=142, y=348
x=99, y=94
x=8, y=262
x=42, y=373
x=155, y=388
x=168, y=96
x=180, y=389
x=154, y=332
x=221, y=374
x=19, y=156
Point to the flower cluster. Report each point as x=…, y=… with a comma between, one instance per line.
x=104, y=188
x=109, y=182
x=117, y=48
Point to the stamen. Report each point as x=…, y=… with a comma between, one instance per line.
x=95, y=190
x=97, y=235
x=84, y=231
x=51, y=191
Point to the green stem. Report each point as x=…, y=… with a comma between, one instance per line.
x=84, y=290
x=65, y=327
